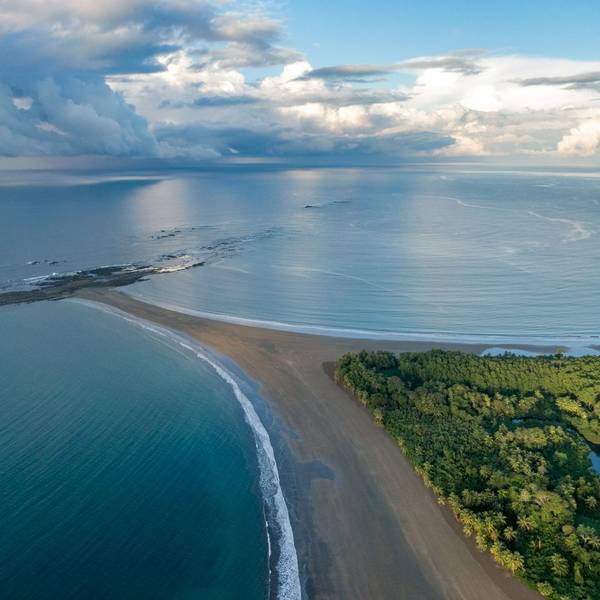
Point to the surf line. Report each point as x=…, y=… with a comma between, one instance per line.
x=576, y=344
x=286, y=568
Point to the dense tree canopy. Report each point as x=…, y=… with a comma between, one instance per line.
x=502, y=441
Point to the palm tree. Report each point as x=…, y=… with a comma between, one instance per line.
x=514, y=561
x=594, y=541
x=586, y=534
x=545, y=589
x=525, y=522
x=509, y=534
x=559, y=565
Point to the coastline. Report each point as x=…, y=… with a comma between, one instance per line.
x=364, y=523
x=571, y=344
x=283, y=574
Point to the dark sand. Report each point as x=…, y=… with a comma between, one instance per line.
x=365, y=525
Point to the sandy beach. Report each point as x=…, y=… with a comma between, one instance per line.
x=365, y=525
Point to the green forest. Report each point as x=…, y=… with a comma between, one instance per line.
x=505, y=443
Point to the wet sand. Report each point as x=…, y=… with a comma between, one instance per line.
x=365, y=525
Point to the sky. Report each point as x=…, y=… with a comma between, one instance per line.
x=300, y=81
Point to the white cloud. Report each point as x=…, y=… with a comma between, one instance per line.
x=583, y=140
x=173, y=78
x=462, y=147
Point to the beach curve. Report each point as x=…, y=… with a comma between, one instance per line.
x=285, y=576
x=372, y=530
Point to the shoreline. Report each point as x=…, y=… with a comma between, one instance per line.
x=364, y=523
x=283, y=577
x=575, y=344
x=62, y=286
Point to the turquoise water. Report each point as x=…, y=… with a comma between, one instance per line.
x=127, y=468
x=394, y=250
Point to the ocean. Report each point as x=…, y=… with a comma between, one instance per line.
x=127, y=468
x=131, y=463
x=430, y=251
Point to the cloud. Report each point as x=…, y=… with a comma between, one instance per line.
x=253, y=29
x=212, y=101
x=178, y=79
x=256, y=98
x=93, y=118
x=583, y=140
x=281, y=142
x=346, y=96
x=126, y=36
x=71, y=117
x=573, y=82
x=63, y=54
x=350, y=72
x=238, y=55
x=463, y=63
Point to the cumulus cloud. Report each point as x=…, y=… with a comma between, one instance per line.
x=93, y=118
x=179, y=79
x=583, y=140
x=127, y=36
x=63, y=54
x=71, y=117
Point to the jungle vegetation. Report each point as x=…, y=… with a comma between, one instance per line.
x=504, y=442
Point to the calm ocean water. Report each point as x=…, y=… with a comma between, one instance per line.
x=509, y=253
x=128, y=468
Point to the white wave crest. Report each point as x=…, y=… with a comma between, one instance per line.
x=287, y=565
